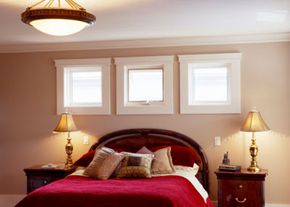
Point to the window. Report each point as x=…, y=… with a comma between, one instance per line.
x=145, y=85
x=210, y=83
x=140, y=90
x=83, y=86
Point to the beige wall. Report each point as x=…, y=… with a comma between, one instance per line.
x=28, y=114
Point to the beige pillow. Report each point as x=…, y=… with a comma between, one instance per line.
x=135, y=165
x=162, y=162
x=103, y=164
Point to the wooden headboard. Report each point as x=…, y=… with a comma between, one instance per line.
x=137, y=138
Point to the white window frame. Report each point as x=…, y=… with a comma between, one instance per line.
x=161, y=62
x=104, y=64
x=229, y=60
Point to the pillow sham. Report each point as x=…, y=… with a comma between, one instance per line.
x=162, y=162
x=135, y=165
x=103, y=164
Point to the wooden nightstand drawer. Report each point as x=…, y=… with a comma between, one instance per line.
x=35, y=182
x=241, y=189
x=240, y=193
x=38, y=176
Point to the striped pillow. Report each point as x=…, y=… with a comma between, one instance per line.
x=103, y=164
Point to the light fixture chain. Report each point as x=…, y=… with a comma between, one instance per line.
x=71, y=5
x=34, y=5
x=74, y=4
x=49, y=3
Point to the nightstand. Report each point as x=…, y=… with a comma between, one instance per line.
x=38, y=176
x=241, y=189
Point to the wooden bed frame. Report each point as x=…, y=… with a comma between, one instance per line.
x=137, y=138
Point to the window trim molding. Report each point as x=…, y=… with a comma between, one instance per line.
x=231, y=59
x=105, y=64
x=123, y=64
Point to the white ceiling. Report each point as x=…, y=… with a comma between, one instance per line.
x=147, y=19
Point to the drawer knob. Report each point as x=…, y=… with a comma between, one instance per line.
x=240, y=201
x=240, y=186
x=45, y=182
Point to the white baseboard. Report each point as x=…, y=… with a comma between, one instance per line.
x=8, y=200
x=215, y=203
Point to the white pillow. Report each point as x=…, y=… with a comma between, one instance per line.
x=193, y=170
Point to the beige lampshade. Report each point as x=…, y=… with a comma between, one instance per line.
x=66, y=123
x=254, y=123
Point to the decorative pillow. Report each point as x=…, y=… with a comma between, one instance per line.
x=85, y=160
x=162, y=162
x=181, y=155
x=104, y=163
x=144, y=150
x=135, y=165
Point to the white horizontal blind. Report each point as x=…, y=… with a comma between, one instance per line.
x=83, y=86
x=208, y=86
x=145, y=85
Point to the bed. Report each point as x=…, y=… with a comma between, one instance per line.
x=173, y=190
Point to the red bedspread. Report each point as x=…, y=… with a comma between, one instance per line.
x=76, y=191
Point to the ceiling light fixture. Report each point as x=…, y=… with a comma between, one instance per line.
x=53, y=18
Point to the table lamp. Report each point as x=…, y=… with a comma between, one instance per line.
x=66, y=124
x=254, y=123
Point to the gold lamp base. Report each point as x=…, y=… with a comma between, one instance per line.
x=68, y=150
x=253, y=169
x=254, y=153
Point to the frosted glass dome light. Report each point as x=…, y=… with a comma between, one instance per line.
x=59, y=27
x=57, y=21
